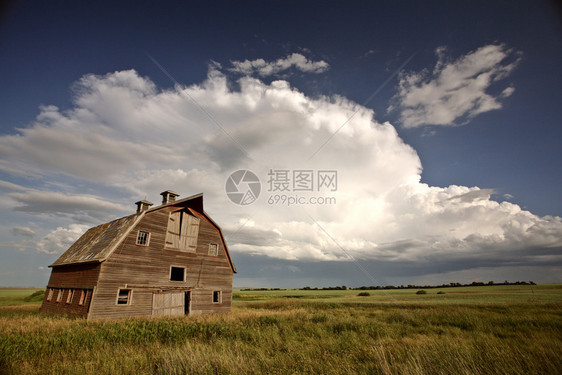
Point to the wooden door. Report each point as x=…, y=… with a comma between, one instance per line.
x=168, y=303
x=189, y=232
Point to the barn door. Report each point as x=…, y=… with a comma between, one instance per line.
x=168, y=303
x=182, y=231
x=189, y=232
x=173, y=232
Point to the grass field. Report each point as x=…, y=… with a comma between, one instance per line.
x=507, y=294
x=18, y=296
x=490, y=330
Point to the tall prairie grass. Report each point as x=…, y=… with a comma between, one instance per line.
x=466, y=331
x=292, y=336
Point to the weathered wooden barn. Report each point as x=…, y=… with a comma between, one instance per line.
x=167, y=260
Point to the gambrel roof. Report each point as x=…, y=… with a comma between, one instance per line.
x=98, y=243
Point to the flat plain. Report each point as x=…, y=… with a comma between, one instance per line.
x=500, y=329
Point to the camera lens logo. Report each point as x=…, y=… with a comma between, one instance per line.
x=243, y=187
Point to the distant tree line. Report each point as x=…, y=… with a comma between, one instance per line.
x=450, y=285
x=409, y=286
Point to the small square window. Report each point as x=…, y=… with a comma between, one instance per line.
x=59, y=295
x=177, y=274
x=69, y=296
x=143, y=238
x=124, y=297
x=213, y=249
x=217, y=296
x=50, y=294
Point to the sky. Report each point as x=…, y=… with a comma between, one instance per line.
x=379, y=143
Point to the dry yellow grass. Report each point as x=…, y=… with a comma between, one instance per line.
x=288, y=336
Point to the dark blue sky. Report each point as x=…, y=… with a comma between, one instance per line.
x=515, y=150
x=46, y=46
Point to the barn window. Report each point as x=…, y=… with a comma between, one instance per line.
x=183, y=229
x=177, y=274
x=143, y=238
x=59, y=295
x=124, y=296
x=69, y=295
x=217, y=296
x=213, y=249
x=50, y=294
x=82, y=297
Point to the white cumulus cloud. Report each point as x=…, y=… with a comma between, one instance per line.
x=60, y=239
x=191, y=138
x=455, y=91
x=267, y=68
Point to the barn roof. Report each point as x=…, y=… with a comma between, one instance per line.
x=97, y=244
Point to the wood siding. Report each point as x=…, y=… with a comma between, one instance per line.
x=146, y=270
x=60, y=305
x=83, y=276
x=65, y=279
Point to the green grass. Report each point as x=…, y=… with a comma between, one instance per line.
x=494, y=294
x=17, y=296
x=496, y=330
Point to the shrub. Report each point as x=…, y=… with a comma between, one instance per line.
x=440, y=292
x=421, y=292
x=364, y=294
x=35, y=297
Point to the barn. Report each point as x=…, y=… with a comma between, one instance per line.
x=170, y=260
